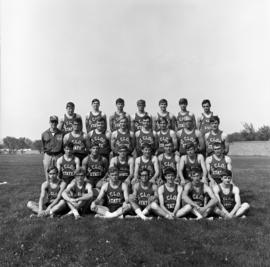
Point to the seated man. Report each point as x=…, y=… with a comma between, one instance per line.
x=229, y=201
x=116, y=197
x=170, y=196
x=78, y=193
x=52, y=190
x=144, y=197
x=195, y=196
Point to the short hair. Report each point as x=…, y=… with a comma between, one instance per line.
x=146, y=118
x=146, y=145
x=206, y=101
x=189, y=145
x=196, y=170
x=162, y=119
x=93, y=144
x=52, y=168
x=113, y=169
x=167, y=142
x=80, y=170
x=163, y=100
x=101, y=119
x=70, y=104
x=141, y=102
x=144, y=170
x=214, y=119
x=226, y=173
x=169, y=170
x=95, y=100
x=122, y=147
x=78, y=120
x=69, y=145
x=120, y=101
x=183, y=101
x=217, y=144
x=123, y=118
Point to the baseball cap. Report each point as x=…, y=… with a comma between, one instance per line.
x=53, y=118
x=141, y=102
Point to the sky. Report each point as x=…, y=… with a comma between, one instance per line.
x=56, y=51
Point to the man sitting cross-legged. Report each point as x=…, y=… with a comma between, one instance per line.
x=52, y=189
x=228, y=195
x=170, y=196
x=116, y=197
x=194, y=195
x=144, y=198
x=78, y=193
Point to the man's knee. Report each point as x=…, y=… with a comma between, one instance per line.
x=245, y=206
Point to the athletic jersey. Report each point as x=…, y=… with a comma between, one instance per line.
x=186, y=138
x=205, y=126
x=67, y=169
x=123, y=169
x=92, y=121
x=217, y=167
x=170, y=198
x=197, y=194
x=116, y=120
x=78, y=192
x=79, y=144
x=123, y=139
x=144, y=194
x=149, y=165
x=167, y=162
x=211, y=139
x=189, y=165
x=180, y=124
x=52, y=192
x=227, y=200
x=68, y=122
x=145, y=138
x=138, y=121
x=167, y=117
x=162, y=139
x=103, y=142
x=95, y=170
x=114, y=197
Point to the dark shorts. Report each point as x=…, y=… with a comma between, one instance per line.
x=67, y=180
x=114, y=207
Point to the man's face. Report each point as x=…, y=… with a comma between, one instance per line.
x=76, y=126
x=123, y=124
x=226, y=180
x=146, y=152
x=206, y=107
x=100, y=125
x=52, y=176
x=163, y=106
x=214, y=125
x=94, y=150
x=114, y=177
x=68, y=151
x=120, y=106
x=163, y=125
x=170, y=177
x=168, y=148
x=146, y=123
x=95, y=105
x=218, y=150
x=195, y=177
x=190, y=151
x=70, y=110
x=122, y=153
x=79, y=178
x=144, y=176
x=141, y=107
x=53, y=124
x=183, y=106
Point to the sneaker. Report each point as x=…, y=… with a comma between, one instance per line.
x=32, y=216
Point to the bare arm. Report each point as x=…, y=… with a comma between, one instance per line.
x=226, y=143
x=178, y=199
x=113, y=140
x=61, y=124
x=136, y=171
x=213, y=201
x=237, y=200
x=181, y=169
x=125, y=192
x=174, y=140
x=203, y=166
x=67, y=193
x=65, y=139
x=41, y=197
x=156, y=167
x=88, y=195
x=131, y=170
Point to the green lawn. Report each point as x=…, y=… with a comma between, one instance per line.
x=92, y=242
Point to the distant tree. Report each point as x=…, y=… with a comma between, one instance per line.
x=235, y=137
x=263, y=133
x=249, y=133
x=11, y=143
x=37, y=144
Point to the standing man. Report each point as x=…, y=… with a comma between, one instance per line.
x=66, y=123
x=216, y=164
x=101, y=137
x=204, y=120
x=114, y=119
x=190, y=134
x=52, y=144
x=163, y=104
x=78, y=138
x=93, y=116
x=182, y=113
x=137, y=120
x=215, y=135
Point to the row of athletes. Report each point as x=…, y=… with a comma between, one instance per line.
x=170, y=200
x=175, y=123
x=109, y=143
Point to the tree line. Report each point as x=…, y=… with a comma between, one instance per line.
x=14, y=144
x=250, y=134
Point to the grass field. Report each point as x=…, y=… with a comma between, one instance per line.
x=95, y=242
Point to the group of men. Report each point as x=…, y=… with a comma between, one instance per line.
x=141, y=166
